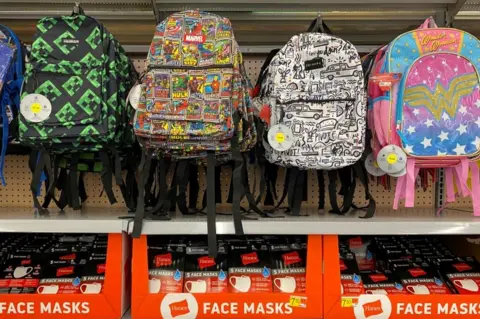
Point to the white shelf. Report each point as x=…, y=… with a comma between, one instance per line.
x=86, y=221
x=403, y=221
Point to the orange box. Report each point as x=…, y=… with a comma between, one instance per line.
x=111, y=304
x=383, y=306
x=226, y=305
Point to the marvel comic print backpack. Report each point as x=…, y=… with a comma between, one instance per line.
x=426, y=109
x=73, y=109
x=194, y=106
x=315, y=95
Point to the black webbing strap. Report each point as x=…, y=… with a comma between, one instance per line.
x=305, y=187
x=150, y=185
x=130, y=181
x=193, y=188
x=182, y=178
x=162, y=204
x=271, y=172
x=82, y=192
x=211, y=205
x=360, y=171
x=143, y=171
x=295, y=190
x=265, y=65
x=37, y=162
x=73, y=181
x=172, y=193
x=319, y=25
x=52, y=184
x=230, y=189
x=106, y=177
x=321, y=190
x=349, y=189
x=218, y=184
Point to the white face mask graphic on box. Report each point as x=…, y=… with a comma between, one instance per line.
x=93, y=288
x=22, y=271
x=154, y=286
x=377, y=292
x=418, y=290
x=199, y=286
x=241, y=283
x=286, y=284
x=467, y=284
x=47, y=289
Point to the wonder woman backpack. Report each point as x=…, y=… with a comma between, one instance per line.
x=427, y=108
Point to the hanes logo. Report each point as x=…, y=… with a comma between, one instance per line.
x=163, y=260
x=291, y=258
x=65, y=271
x=101, y=268
x=250, y=258
x=205, y=262
x=68, y=257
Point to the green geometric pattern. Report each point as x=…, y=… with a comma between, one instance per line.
x=54, y=68
x=66, y=113
x=73, y=85
x=75, y=22
x=94, y=38
x=49, y=90
x=46, y=24
x=89, y=60
x=88, y=131
x=89, y=102
x=41, y=47
x=65, y=48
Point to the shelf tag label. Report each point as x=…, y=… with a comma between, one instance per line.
x=298, y=301
x=348, y=302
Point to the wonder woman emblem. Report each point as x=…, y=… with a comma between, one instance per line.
x=441, y=98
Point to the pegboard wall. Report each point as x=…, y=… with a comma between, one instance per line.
x=17, y=192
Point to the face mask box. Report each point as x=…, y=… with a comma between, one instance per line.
x=420, y=279
x=249, y=267
x=93, y=275
x=205, y=274
x=60, y=277
x=463, y=274
x=166, y=264
x=382, y=283
x=350, y=279
x=21, y=273
x=288, y=267
x=360, y=246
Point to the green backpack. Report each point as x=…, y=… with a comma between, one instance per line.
x=74, y=101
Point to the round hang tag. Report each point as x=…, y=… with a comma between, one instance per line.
x=280, y=137
x=392, y=159
x=372, y=166
x=134, y=96
x=35, y=108
x=399, y=174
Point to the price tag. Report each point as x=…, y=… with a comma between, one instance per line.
x=298, y=301
x=348, y=302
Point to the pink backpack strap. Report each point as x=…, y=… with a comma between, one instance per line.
x=405, y=188
x=475, y=179
x=449, y=185
x=461, y=171
x=428, y=24
x=412, y=173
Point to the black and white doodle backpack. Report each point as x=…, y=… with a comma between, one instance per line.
x=314, y=91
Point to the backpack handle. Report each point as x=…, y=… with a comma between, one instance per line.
x=319, y=25
x=429, y=23
x=77, y=10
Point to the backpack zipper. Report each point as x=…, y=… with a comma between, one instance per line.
x=315, y=101
x=183, y=67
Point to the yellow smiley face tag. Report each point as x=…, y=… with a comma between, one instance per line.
x=35, y=107
x=392, y=158
x=280, y=137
